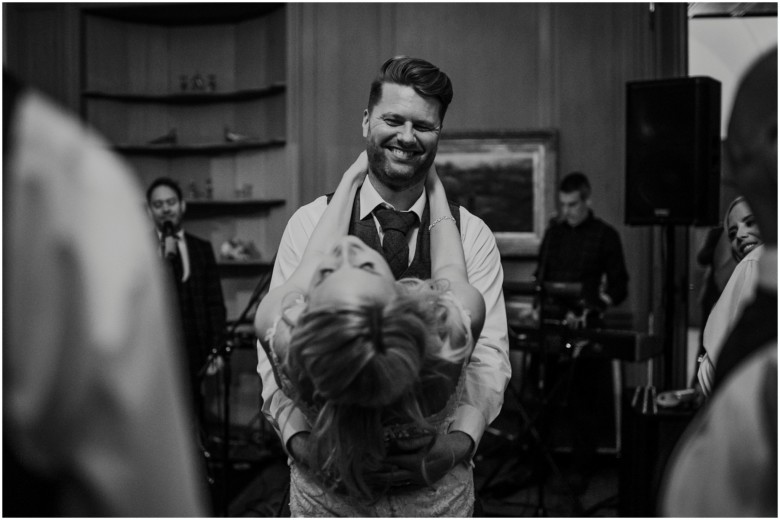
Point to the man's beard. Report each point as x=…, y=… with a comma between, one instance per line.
x=389, y=176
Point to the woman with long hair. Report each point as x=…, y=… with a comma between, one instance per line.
x=745, y=239
x=375, y=363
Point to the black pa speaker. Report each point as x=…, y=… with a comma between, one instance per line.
x=673, y=152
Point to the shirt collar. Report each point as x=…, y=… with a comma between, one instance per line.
x=179, y=234
x=370, y=199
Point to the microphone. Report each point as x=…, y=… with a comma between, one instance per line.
x=170, y=247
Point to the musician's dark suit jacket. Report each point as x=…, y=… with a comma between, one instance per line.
x=201, y=304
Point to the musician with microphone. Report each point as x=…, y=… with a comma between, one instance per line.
x=581, y=273
x=194, y=273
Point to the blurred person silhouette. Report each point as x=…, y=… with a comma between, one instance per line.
x=95, y=421
x=745, y=245
x=725, y=464
x=194, y=272
x=376, y=364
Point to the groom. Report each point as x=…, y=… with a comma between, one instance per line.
x=401, y=126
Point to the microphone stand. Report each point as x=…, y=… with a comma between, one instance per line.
x=545, y=395
x=541, y=388
x=224, y=350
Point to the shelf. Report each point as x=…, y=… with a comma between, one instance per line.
x=244, y=264
x=181, y=14
x=205, y=208
x=175, y=150
x=190, y=98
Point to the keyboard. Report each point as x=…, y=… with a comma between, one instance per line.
x=625, y=345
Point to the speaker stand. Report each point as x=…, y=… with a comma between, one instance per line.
x=675, y=302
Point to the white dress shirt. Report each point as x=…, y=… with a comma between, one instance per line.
x=739, y=291
x=488, y=372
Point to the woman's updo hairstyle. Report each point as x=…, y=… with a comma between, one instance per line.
x=352, y=362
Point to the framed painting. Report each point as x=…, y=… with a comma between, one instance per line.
x=508, y=179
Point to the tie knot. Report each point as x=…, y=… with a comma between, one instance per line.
x=396, y=220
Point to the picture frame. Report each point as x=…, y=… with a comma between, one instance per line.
x=508, y=179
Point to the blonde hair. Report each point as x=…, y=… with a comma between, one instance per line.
x=740, y=199
x=728, y=211
x=354, y=363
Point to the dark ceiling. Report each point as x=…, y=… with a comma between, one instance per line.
x=727, y=10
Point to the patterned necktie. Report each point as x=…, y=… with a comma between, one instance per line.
x=395, y=247
x=178, y=266
x=173, y=258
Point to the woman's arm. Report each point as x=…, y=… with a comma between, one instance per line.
x=447, y=259
x=333, y=224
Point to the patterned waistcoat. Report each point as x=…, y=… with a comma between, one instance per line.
x=365, y=230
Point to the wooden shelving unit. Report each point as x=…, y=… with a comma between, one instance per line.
x=214, y=208
x=244, y=267
x=215, y=76
x=178, y=150
x=185, y=98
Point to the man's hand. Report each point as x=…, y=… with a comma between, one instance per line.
x=422, y=466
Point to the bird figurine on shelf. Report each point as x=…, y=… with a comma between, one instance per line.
x=169, y=138
x=198, y=83
x=233, y=137
x=237, y=250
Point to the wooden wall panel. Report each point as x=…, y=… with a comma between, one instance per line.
x=106, y=68
x=340, y=54
x=590, y=102
x=590, y=107
x=41, y=48
x=485, y=50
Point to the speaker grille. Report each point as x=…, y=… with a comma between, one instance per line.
x=673, y=152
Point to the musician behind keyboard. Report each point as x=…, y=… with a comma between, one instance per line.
x=581, y=273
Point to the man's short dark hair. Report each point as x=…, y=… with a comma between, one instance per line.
x=425, y=78
x=576, y=181
x=163, y=181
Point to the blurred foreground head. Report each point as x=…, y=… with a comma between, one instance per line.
x=751, y=145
